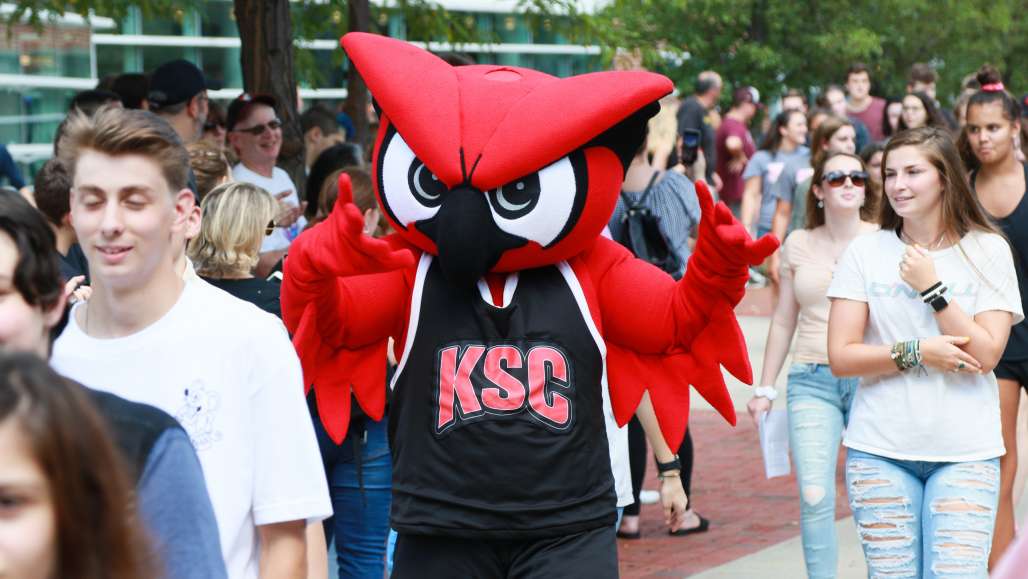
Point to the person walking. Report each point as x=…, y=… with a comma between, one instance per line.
x=1000, y=181
x=921, y=312
x=734, y=145
x=818, y=402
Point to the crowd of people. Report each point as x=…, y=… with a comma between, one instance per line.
x=898, y=295
x=154, y=411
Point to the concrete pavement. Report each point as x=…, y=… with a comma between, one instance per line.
x=754, y=521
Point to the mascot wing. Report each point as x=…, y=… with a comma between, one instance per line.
x=343, y=295
x=663, y=335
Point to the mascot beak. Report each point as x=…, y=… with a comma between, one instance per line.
x=466, y=236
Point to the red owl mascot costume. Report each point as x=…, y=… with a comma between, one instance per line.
x=510, y=312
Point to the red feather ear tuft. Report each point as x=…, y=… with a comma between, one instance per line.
x=419, y=93
x=560, y=116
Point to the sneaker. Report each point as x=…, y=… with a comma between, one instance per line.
x=648, y=497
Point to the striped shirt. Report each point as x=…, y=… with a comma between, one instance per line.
x=673, y=199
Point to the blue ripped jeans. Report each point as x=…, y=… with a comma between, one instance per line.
x=923, y=519
x=819, y=406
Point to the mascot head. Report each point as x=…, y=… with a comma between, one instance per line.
x=497, y=168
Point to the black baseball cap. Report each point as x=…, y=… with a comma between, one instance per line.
x=176, y=82
x=240, y=106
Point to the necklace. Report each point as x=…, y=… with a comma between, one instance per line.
x=932, y=247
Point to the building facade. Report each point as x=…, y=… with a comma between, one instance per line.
x=42, y=68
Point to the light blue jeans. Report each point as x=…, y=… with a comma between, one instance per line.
x=923, y=519
x=819, y=406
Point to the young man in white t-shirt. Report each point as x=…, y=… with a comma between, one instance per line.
x=223, y=368
x=255, y=134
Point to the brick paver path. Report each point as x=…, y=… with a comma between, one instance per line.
x=747, y=512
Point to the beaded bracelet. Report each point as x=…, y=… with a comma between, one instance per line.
x=907, y=355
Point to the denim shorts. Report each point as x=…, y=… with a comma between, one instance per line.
x=1016, y=370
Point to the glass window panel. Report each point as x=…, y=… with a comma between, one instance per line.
x=217, y=18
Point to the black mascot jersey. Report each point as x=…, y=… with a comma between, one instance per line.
x=496, y=415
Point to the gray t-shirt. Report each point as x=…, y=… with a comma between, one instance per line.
x=770, y=166
x=796, y=171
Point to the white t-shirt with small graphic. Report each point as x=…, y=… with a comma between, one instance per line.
x=228, y=372
x=940, y=416
x=279, y=182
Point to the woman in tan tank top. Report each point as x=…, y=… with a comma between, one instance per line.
x=818, y=402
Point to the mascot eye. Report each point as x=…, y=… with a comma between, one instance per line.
x=537, y=207
x=516, y=199
x=427, y=188
x=410, y=191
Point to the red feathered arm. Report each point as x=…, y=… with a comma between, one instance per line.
x=663, y=335
x=343, y=295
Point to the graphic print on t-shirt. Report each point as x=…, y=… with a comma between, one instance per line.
x=476, y=381
x=197, y=414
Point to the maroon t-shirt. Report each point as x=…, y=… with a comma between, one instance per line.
x=872, y=118
x=733, y=181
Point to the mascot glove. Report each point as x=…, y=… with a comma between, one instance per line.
x=338, y=247
x=724, y=251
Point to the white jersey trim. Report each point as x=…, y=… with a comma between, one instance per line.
x=509, y=286
x=617, y=437
x=415, y=315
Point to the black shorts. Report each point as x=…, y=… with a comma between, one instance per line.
x=1016, y=370
x=591, y=554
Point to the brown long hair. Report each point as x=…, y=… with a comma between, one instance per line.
x=98, y=534
x=961, y=212
x=824, y=132
x=816, y=215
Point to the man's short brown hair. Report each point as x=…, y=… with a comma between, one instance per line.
x=52, y=188
x=922, y=73
x=116, y=131
x=857, y=68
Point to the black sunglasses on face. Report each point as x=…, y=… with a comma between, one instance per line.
x=269, y=228
x=838, y=178
x=258, y=130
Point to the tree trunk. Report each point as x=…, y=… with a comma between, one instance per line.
x=356, y=104
x=266, y=35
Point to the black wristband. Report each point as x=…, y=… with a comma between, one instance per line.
x=675, y=464
x=931, y=289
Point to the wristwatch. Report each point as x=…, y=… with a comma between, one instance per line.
x=939, y=303
x=675, y=464
x=768, y=392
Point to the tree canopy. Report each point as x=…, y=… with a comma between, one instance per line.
x=800, y=44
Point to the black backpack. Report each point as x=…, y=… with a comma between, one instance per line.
x=641, y=233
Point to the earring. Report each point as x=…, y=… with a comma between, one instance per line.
x=820, y=204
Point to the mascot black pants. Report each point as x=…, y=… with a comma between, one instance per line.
x=589, y=554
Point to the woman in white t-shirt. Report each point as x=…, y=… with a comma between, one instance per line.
x=818, y=402
x=921, y=311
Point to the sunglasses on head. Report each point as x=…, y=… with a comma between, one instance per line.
x=258, y=130
x=838, y=178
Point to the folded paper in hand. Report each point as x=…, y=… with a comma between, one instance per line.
x=774, y=442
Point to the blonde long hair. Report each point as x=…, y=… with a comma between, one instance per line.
x=234, y=219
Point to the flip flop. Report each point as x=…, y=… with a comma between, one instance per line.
x=703, y=527
x=629, y=536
